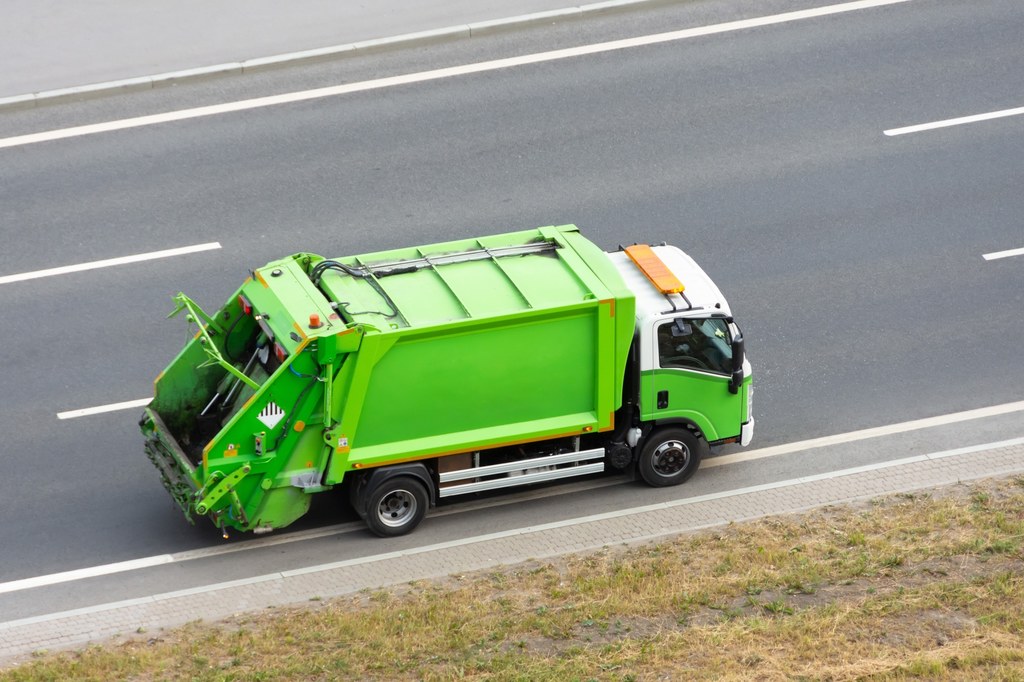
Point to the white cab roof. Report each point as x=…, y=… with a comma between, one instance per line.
x=702, y=293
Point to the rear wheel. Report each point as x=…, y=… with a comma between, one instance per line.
x=396, y=506
x=670, y=456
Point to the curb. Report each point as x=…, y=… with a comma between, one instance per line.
x=32, y=100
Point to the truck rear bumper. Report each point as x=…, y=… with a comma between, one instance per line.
x=176, y=472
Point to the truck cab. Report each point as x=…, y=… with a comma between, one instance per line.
x=693, y=366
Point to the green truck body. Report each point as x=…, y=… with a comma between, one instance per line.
x=415, y=374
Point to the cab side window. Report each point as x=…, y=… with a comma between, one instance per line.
x=701, y=344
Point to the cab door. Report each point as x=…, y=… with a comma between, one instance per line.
x=690, y=377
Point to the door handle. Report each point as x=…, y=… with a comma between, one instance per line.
x=662, y=400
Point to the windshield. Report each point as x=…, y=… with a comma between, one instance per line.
x=703, y=344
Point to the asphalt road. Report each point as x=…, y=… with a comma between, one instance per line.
x=852, y=260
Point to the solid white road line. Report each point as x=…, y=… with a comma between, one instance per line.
x=113, y=407
x=83, y=573
x=681, y=502
x=892, y=132
x=876, y=432
x=398, y=555
x=109, y=262
x=798, y=446
x=437, y=74
x=248, y=65
x=1003, y=254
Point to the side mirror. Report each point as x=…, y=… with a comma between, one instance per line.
x=737, y=363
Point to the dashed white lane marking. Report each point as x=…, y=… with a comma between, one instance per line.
x=963, y=120
x=1003, y=254
x=108, y=262
x=100, y=409
x=437, y=74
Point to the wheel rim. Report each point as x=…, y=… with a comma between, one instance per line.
x=670, y=458
x=397, y=508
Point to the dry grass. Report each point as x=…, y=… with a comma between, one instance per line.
x=926, y=587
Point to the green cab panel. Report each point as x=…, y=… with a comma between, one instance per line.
x=700, y=397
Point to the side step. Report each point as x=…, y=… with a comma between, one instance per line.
x=544, y=471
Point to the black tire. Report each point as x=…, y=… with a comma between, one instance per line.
x=396, y=506
x=670, y=456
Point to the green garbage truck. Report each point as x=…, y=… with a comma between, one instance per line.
x=411, y=375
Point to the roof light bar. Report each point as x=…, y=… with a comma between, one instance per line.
x=655, y=269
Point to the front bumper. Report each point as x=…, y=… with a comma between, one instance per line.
x=747, y=433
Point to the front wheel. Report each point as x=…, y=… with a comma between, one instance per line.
x=670, y=456
x=396, y=506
